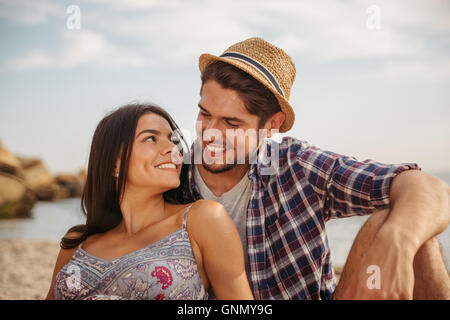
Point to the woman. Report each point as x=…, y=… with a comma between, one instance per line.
x=144, y=238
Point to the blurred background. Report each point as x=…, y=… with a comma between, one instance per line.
x=372, y=82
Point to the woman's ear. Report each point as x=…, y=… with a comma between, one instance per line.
x=116, y=169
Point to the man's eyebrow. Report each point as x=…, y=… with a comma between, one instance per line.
x=226, y=118
x=233, y=119
x=156, y=132
x=203, y=109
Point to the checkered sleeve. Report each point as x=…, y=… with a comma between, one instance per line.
x=345, y=185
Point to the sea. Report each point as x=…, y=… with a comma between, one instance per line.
x=51, y=220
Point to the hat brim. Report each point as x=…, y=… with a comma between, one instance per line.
x=206, y=59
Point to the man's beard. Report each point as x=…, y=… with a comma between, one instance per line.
x=218, y=169
x=215, y=168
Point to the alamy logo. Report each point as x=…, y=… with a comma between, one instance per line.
x=374, y=281
x=373, y=21
x=74, y=18
x=73, y=282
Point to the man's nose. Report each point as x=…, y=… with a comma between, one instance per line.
x=212, y=124
x=214, y=131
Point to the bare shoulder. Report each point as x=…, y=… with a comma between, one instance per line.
x=208, y=217
x=64, y=253
x=63, y=258
x=210, y=226
x=208, y=210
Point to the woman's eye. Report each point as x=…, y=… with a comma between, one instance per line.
x=151, y=138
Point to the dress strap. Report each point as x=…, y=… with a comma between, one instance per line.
x=185, y=216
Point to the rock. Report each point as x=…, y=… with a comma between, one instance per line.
x=338, y=269
x=36, y=174
x=16, y=199
x=25, y=180
x=338, y=272
x=8, y=163
x=45, y=186
x=82, y=175
x=51, y=191
x=72, y=183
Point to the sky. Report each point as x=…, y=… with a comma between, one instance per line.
x=373, y=77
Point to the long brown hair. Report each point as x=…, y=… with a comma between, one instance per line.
x=114, y=137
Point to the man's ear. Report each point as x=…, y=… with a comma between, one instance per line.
x=275, y=122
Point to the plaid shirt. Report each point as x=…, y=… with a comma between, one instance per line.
x=288, y=248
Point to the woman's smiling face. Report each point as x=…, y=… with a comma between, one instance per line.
x=155, y=161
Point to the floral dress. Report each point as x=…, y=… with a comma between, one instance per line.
x=165, y=269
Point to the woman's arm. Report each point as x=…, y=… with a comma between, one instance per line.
x=211, y=227
x=63, y=258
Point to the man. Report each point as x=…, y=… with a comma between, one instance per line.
x=281, y=213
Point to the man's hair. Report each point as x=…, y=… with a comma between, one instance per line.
x=257, y=98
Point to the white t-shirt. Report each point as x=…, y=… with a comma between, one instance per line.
x=236, y=202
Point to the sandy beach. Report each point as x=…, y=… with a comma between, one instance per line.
x=26, y=268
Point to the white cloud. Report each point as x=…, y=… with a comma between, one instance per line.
x=177, y=32
x=431, y=15
x=425, y=70
x=29, y=12
x=324, y=30
x=79, y=48
x=330, y=31
x=132, y=5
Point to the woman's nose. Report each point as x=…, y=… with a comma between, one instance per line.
x=172, y=148
x=168, y=146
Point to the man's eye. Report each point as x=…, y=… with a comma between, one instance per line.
x=204, y=114
x=232, y=125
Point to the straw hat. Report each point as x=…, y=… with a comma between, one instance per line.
x=266, y=63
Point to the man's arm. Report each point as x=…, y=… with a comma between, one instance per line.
x=420, y=210
x=420, y=207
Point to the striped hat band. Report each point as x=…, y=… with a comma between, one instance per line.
x=258, y=66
